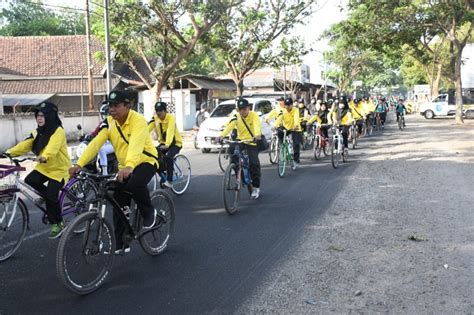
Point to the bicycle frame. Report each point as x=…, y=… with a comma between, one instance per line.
x=337, y=138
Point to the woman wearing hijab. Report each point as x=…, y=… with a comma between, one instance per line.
x=48, y=143
x=342, y=118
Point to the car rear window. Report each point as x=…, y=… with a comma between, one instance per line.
x=223, y=110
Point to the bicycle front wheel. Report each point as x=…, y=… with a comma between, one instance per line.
x=181, y=174
x=83, y=261
x=13, y=225
x=282, y=155
x=231, y=188
x=334, y=154
x=273, y=151
x=317, y=149
x=223, y=158
x=155, y=241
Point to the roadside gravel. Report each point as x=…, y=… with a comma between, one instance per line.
x=399, y=238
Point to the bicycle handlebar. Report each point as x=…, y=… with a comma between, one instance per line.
x=17, y=161
x=237, y=141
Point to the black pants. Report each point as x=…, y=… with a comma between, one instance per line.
x=325, y=131
x=297, y=139
x=345, y=135
x=398, y=115
x=359, y=124
x=383, y=116
x=49, y=192
x=254, y=162
x=137, y=186
x=168, y=155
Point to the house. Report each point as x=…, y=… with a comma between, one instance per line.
x=39, y=68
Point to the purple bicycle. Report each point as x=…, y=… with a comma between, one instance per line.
x=74, y=199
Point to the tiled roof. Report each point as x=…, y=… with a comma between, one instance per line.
x=43, y=56
x=57, y=86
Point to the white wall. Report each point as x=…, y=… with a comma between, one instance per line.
x=467, y=69
x=185, y=107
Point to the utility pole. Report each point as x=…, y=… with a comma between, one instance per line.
x=107, y=46
x=89, y=59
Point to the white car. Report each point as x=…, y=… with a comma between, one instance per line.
x=211, y=128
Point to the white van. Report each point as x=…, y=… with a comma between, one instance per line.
x=211, y=128
x=443, y=105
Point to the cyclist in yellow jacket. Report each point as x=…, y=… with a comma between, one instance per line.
x=277, y=110
x=249, y=128
x=169, y=138
x=48, y=143
x=289, y=120
x=342, y=119
x=358, y=115
x=128, y=132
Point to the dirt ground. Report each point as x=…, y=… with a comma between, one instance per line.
x=398, y=239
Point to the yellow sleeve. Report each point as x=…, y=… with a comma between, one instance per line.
x=136, y=143
x=279, y=120
x=296, y=118
x=170, y=132
x=93, y=147
x=271, y=115
x=314, y=118
x=257, y=125
x=23, y=147
x=57, y=140
x=229, y=127
x=151, y=125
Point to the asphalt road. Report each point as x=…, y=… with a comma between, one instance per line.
x=214, y=263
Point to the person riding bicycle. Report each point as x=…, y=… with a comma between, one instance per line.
x=277, y=110
x=289, y=120
x=249, y=128
x=358, y=115
x=400, y=110
x=169, y=138
x=48, y=143
x=128, y=132
x=304, y=115
x=342, y=119
x=321, y=118
x=381, y=109
x=369, y=108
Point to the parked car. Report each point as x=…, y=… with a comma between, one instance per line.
x=444, y=105
x=211, y=128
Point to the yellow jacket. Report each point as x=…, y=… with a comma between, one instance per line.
x=168, y=125
x=314, y=118
x=345, y=120
x=289, y=120
x=357, y=112
x=369, y=107
x=130, y=154
x=55, y=152
x=253, y=122
x=274, y=113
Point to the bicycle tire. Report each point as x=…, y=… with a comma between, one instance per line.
x=181, y=174
x=89, y=253
x=9, y=248
x=334, y=154
x=317, y=149
x=164, y=205
x=273, y=151
x=75, y=199
x=231, y=190
x=282, y=156
x=223, y=156
x=345, y=155
x=354, y=142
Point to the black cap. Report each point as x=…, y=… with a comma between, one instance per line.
x=118, y=97
x=242, y=103
x=288, y=101
x=160, y=106
x=45, y=107
x=280, y=98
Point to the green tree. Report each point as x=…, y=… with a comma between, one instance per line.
x=32, y=19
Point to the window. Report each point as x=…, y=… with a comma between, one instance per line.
x=264, y=107
x=441, y=98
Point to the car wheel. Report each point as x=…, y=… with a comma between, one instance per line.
x=429, y=114
x=205, y=150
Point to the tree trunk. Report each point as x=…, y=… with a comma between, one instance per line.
x=239, y=85
x=458, y=87
x=436, y=80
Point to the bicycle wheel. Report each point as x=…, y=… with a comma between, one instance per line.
x=223, y=158
x=317, y=148
x=155, y=241
x=326, y=147
x=370, y=130
x=273, y=151
x=354, y=141
x=282, y=154
x=334, y=153
x=12, y=230
x=231, y=188
x=83, y=261
x=75, y=198
x=345, y=155
x=181, y=174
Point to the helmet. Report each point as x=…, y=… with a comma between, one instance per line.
x=160, y=106
x=104, y=110
x=242, y=103
x=288, y=101
x=356, y=100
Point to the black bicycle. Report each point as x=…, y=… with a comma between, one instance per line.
x=84, y=261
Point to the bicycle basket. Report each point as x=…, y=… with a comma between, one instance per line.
x=7, y=183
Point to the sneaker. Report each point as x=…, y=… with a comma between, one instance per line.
x=295, y=165
x=255, y=193
x=150, y=220
x=122, y=251
x=56, y=230
x=168, y=184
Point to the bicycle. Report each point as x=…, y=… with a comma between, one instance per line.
x=337, y=150
x=401, y=121
x=223, y=157
x=378, y=122
x=369, y=124
x=274, y=147
x=320, y=144
x=308, y=137
x=236, y=176
x=285, y=154
x=14, y=212
x=181, y=175
x=353, y=134
x=84, y=261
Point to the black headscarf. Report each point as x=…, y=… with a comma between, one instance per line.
x=52, y=122
x=344, y=111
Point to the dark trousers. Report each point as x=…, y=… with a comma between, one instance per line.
x=168, y=156
x=325, y=131
x=254, y=162
x=297, y=138
x=359, y=124
x=137, y=186
x=383, y=116
x=49, y=192
x=345, y=135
